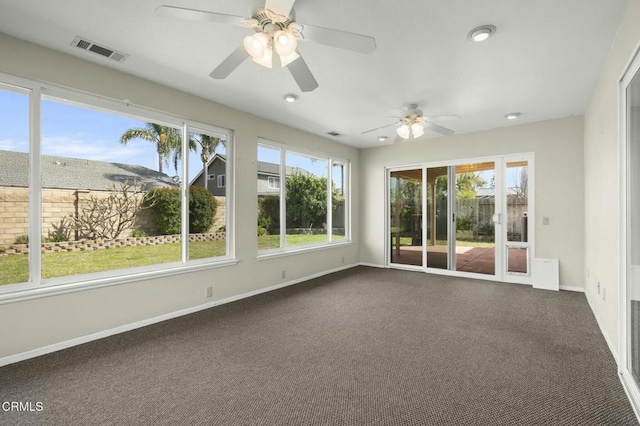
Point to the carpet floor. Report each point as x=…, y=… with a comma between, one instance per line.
x=360, y=347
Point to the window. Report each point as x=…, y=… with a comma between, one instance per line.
x=274, y=182
x=110, y=195
x=311, y=208
x=220, y=181
x=14, y=185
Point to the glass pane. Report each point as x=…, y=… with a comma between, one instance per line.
x=339, y=213
x=268, y=197
x=207, y=195
x=14, y=187
x=405, y=199
x=517, y=201
x=517, y=260
x=437, y=218
x=306, y=192
x=633, y=226
x=110, y=191
x=475, y=206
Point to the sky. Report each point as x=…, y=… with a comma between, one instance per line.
x=77, y=132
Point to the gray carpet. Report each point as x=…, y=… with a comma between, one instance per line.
x=361, y=347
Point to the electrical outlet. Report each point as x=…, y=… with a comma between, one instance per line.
x=598, y=285
x=283, y=274
x=209, y=291
x=545, y=220
x=604, y=294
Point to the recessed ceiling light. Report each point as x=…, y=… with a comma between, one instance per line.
x=482, y=32
x=382, y=138
x=290, y=97
x=512, y=115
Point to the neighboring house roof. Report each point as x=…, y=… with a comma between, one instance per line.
x=75, y=173
x=264, y=168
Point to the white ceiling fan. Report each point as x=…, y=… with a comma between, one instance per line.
x=411, y=124
x=274, y=28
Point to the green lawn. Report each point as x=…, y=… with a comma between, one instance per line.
x=15, y=269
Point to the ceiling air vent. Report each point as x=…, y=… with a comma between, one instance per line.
x=334, y=134
x=90, y=46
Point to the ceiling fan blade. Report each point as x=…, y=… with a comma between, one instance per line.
x=340, y=39
x=438, y=129
x=282, y=7
x=199, y=15
x=302, y=75
x=442, y=117
x=232, y=62
x=378, y=128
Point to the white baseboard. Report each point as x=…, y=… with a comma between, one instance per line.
x=10, y=359
x=373, y=265
x=612, y=349
x=572, y=288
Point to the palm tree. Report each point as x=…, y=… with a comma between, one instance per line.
x=167, y=140
x=208, y=145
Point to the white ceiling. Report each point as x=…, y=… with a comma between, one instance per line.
x=543, y=61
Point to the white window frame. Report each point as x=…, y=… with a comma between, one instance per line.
x=284, y=250
x=221, y=178
x=36, y=286
x=274, y=179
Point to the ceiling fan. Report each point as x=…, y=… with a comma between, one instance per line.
x=411, y=124
x=274, y=28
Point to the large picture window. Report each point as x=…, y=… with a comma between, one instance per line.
x=120, y=190
x=310, y=209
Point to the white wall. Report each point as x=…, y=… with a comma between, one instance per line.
x=602, y=187
x=37, y=323
x=557, y=145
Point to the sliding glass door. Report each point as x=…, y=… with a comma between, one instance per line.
x=630, y=335
x=405, y=217
x=469, y=217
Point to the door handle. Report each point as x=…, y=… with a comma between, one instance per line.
x=497, y=218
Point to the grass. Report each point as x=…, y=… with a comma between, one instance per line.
x=267, y=242
x=15, y=268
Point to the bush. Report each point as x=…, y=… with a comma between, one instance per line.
x=486, y=229
x=202, y=209
x=138, y=233
x=464, y=223
x=165, y=209
x=264, y=222
x=261, y=231
x=22, y=239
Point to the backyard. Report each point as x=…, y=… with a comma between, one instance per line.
x=15, y=268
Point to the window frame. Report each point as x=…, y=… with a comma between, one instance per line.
x=283, y=249
x=36, y=286
x=224, y=181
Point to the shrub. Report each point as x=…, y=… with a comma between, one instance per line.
x=261, y=231
x=22, y=239
x=486, y=229
x=264, y=222
x=55, y=238
x=165, y=209
x=138, y=233
x=202, y=209
x=464, y=223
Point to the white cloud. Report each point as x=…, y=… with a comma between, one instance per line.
x=11, y=144
x=79, y=147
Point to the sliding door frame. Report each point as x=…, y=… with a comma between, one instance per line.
x=629, y=383
x=500, y=162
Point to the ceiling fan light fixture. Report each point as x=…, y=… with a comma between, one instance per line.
x=267, y=59
x=417, y=129
x=285, y=43
x=404, y=131
x=481, y=33
x=256, y=44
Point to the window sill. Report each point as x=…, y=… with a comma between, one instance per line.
x=54, y=288
x=270, y=254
